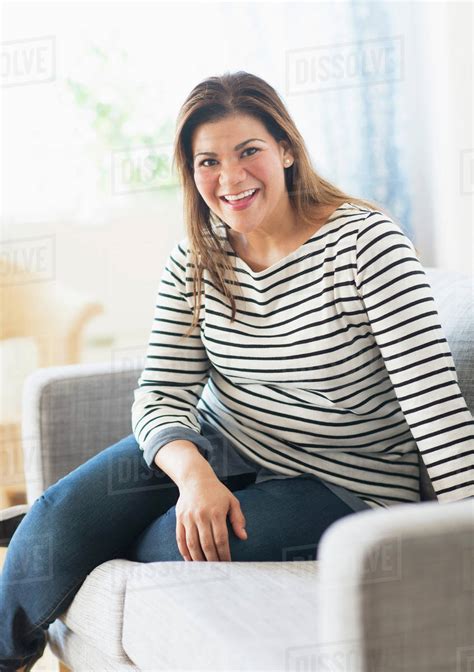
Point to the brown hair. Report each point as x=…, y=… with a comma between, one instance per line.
x=214, y=99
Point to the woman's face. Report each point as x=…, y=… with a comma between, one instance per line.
x=234, y=155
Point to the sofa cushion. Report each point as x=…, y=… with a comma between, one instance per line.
x=220, y=616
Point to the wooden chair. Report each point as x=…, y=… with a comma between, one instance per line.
x=54, y=317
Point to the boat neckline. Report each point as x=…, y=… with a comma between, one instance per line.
x=273, y=266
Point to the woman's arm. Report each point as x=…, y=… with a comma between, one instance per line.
x=182, y=461
x=405, y=323
x=176, y=369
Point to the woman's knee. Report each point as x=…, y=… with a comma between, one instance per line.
x=285, y=520
x=157, y=542
x=258, y=546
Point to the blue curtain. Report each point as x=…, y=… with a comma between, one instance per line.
x=380, y=172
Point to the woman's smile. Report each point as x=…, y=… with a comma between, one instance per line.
x=241, y=203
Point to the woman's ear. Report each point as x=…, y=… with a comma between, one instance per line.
x=286, y=153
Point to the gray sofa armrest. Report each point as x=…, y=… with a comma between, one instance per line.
x=70, y=413
x=397, y=589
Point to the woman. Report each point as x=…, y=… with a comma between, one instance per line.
x=257, y=424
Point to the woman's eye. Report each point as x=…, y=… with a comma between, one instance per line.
x=249, y=148
x=245, y=150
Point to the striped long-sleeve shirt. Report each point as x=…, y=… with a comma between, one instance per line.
x=336, y=365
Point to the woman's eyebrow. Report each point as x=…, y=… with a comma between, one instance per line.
x=239, y=146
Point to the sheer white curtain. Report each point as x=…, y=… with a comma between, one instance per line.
x=440, y=56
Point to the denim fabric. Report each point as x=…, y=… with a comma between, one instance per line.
x=115, y=506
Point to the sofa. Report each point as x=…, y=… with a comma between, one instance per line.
x=391, y=589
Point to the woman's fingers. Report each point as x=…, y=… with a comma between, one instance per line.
x=181, y=540
x=201, y=515
x=206, y=538
x=204, y=542
x=193, y=543
x=221, y=539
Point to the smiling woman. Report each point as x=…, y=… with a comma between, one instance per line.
x=326, y=296
x=255, y=432
x=246, y=187
x=239, y=122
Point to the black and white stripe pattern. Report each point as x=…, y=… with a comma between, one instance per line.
x=337, y=365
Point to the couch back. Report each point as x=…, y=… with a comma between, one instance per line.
x=454, y=298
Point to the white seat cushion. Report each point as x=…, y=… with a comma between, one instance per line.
x=220, y=616
x=190, y=616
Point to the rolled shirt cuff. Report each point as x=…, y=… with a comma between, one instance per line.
x=174, y=433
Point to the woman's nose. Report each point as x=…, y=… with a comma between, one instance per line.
x=231, y=174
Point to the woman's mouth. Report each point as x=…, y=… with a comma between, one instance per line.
x=241, y=203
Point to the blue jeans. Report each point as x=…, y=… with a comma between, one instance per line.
x=115, y=506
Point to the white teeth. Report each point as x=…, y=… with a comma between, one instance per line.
x=244, y=194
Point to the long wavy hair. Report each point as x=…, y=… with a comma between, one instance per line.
x=216, y=98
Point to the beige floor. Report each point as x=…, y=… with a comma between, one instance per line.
x=48, y=662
